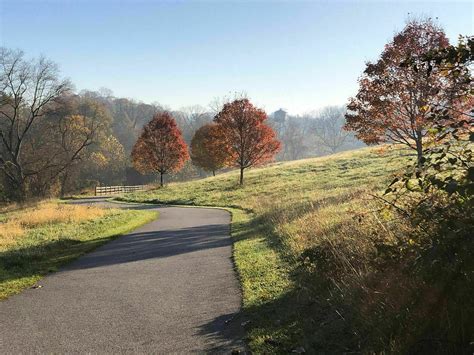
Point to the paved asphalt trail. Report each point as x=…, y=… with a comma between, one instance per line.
x=167, y=287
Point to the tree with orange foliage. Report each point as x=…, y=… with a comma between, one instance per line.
x=394, y=99
x=160, y=147
x=246, y=138
x=205, y=149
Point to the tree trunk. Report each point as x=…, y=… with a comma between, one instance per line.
x=241, y=176
x=63, y=185
x=21, y=194
x=213, y=173
x=20, y=181
x=161, y=179
x=419, y=151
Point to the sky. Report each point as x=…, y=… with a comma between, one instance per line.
x=296, y=55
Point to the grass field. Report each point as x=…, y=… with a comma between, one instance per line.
x=39, y=239
x=305, y=243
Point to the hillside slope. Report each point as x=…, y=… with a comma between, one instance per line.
x=288, y=183
x=281, y=216
x=323, y=266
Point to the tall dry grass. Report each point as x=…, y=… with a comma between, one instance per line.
x=48, y=213
x=10, y=231
x=16, y=224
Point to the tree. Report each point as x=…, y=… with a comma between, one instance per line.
x=438, y=197
x=28, y=91
x=65, y=137
x=160, y=147
x=328, y=128
x=392, y=101
x=102, y=163
x=129, y=118
x=205, y=149
x=447, y=167
x=293, y=137
x=217, y=103
x=246, y=137
x=190, y=118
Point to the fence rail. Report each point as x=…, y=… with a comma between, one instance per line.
x=106, y=190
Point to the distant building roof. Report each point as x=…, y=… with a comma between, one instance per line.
x=279, y=115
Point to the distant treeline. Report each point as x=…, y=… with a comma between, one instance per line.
x=55, y=141
x=302, y=136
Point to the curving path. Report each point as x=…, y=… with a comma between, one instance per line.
x=167, y=287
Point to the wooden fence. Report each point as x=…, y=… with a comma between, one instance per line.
x=107, y=190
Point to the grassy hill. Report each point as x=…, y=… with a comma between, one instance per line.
x=319, y=265
x=286, y=183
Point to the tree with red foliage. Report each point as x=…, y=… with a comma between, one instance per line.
x=160, y=147
x=246, y=138
x=205, y=149
x=393, y=101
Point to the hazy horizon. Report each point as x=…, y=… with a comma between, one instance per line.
x=299, y=56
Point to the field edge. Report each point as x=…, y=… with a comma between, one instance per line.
x=16, y=286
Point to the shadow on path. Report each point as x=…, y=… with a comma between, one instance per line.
x=157, y=244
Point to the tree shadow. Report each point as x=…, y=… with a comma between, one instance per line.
x=227, y=332
x=39, y=260
x=156, y=244
x=49, y=256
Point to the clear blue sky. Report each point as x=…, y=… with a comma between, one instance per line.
x=296, y=55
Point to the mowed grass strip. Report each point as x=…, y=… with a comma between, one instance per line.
x=283, y=211
x=39, y=239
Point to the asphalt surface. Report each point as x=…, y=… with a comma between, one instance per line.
x=167, y=287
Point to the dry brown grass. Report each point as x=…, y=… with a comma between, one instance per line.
x=16, y=224
x=48, y=213
x=39, y=239
x=9, y=232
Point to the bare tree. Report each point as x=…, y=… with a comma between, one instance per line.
x=294, y=136
x=190, y=119
x=28, y=91
x=328, y=128
x=217, y=104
